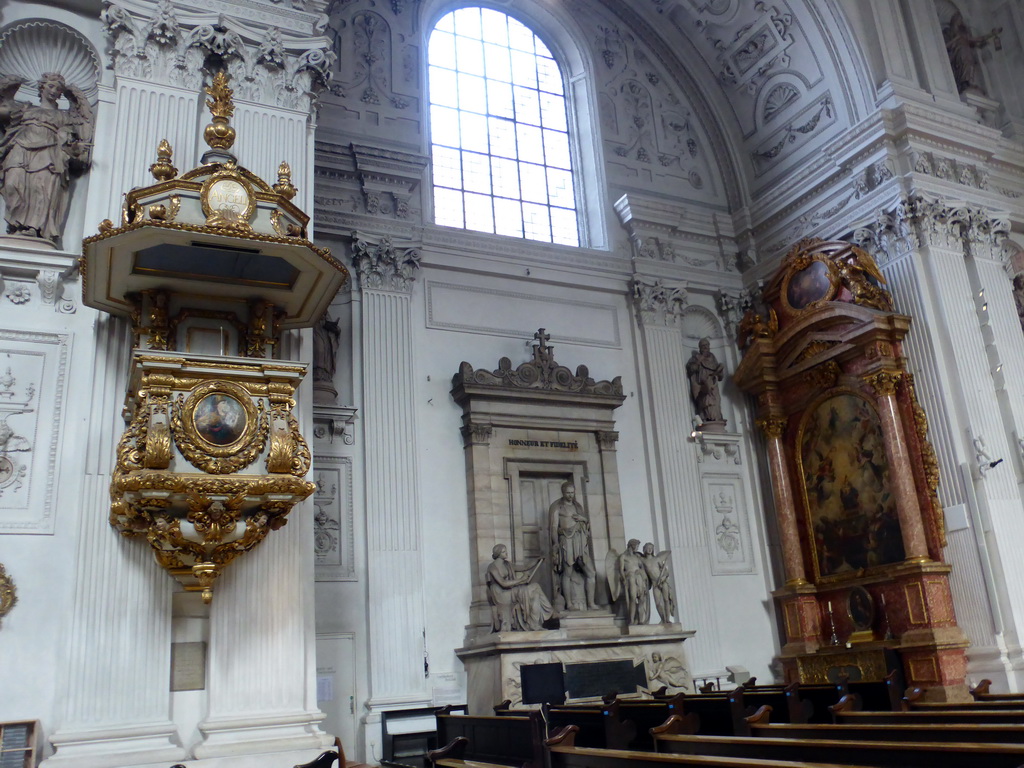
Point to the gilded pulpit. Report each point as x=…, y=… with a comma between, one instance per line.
x=211, y=266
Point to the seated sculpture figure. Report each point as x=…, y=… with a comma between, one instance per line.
x=516, y=604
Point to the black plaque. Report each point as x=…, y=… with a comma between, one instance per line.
x=597, y=678
x=542, y=683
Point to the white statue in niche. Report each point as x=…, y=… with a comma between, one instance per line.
x=41, y=148
x=570, y=532
x=516, y=604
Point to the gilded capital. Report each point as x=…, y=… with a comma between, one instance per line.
x=884, y=382
x=772, y=426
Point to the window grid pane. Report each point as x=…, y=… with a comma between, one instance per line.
x=501, y=160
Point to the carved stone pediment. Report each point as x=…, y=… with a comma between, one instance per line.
x=540, y=373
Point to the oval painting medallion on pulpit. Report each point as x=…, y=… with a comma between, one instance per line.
x=219, y=419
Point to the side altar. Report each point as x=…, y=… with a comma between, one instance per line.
x=545, y=519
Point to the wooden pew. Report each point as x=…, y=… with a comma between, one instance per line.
x=563, y=753
x=878, y=754
x=980, y=733
x=718, y=713
x=846, y=712
x=981, y=692
x=914, y=700
x=598, y=726
x=645, y=715
x=508, y=741
x=884, y=696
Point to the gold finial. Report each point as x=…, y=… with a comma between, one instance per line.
x=163, y=169
x=219, y=134
x=284, y=186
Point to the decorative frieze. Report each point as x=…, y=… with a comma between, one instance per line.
x=948, y=169
x=918, y=222
x=267, y=64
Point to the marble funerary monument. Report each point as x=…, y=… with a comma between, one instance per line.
x=542, y=476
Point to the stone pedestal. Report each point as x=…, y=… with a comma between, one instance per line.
x=493, y=661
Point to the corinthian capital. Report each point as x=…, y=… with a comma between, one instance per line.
x=659, y=303
x=382, y=266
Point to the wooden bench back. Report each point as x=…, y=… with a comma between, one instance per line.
x=509, y=740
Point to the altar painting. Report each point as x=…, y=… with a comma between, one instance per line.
x=851, y=509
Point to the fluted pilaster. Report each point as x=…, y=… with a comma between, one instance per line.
x=659, y=306
x=386, y=277
x=116, y=704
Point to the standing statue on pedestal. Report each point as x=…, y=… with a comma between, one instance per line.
x=516, y=604
x=570, y=529
x=660, y=575
x=41, y=148
x=960, y=47
x=628, y=577
x=704, y=372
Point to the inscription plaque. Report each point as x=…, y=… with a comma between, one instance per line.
x=584, y=681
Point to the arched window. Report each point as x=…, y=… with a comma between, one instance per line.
x=499, y=130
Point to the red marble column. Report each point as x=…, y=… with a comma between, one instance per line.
x=792, y=558
x=901, y=479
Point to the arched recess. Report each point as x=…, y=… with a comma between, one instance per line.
x=699, y=323
x=563, y=34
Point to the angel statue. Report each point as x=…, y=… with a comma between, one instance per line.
x=657, y=568
x=627, y=577
x=41, y=148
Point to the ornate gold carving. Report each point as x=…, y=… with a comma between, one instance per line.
x=928, y=458
x=8, y=594
x=863, y=278
x=815, y=668
x=772, y=426
x=219, y=134
x=195, y=438
x=163, y=169
x=753, y=326
x=158, y=330
x=284, y=186
x=161, y=212
x=228, y=200
x=824, y=376
x=158, y=445
x=816, y=348
x=275, y=222
x=106, y=225
x=279, y=457
x=884, y=383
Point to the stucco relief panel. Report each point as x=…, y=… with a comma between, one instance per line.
x=333, y=538
x=650, y=132
x=377, y=71
x=727, y=524
x=33, y=367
